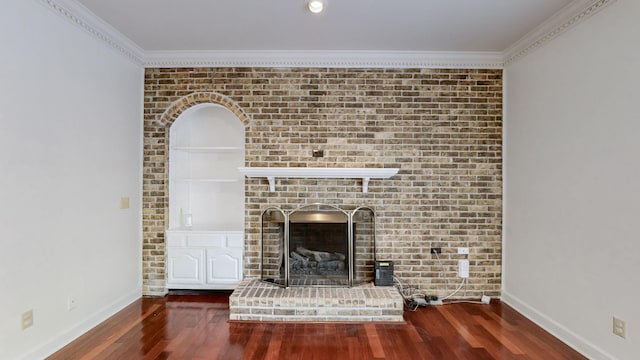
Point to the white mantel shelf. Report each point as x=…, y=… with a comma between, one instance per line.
x=271, y=173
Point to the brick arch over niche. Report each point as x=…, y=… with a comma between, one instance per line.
x=155, y=197
x=179, y=106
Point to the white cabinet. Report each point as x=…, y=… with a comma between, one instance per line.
x=204, y=259
x=206, y=199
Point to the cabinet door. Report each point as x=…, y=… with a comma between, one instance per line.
x=224, y=265
x=185, y=267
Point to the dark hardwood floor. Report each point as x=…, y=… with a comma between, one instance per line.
x=197, y=327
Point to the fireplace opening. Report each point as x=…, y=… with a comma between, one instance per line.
x=318, y=253
x=318, y=245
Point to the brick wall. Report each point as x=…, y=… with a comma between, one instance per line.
x=441, y=127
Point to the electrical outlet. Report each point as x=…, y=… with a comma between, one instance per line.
x=463, y=250
x=463, y=268
x=436, y=250
x=124, y=202
x=27, y=319
x=72, y=303
x=620, y=327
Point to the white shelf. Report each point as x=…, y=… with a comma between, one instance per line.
x=208, y=149
x=207, y=180
x=208, y=229
x=271, y=173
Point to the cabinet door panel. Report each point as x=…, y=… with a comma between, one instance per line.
x=224, y=266
x=185, y=266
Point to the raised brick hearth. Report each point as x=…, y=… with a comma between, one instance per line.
x=254, y=300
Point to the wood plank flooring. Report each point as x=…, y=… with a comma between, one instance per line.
x=197, y=327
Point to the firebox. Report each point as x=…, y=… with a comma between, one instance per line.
x=318, y=245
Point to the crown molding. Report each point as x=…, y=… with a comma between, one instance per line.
x=568, y=17
x=333, y=59
x=82, y=17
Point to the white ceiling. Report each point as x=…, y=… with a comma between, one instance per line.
x=345, y=25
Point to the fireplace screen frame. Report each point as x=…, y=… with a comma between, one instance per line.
x=276, y=262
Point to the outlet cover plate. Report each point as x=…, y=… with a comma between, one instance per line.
x=463, y=268
x=27, y=319
x=72, y=303
x=619, y=327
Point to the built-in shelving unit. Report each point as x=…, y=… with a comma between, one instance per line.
x=206, y=200
x=271, y=173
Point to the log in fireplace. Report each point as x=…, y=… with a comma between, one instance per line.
x=318, y=245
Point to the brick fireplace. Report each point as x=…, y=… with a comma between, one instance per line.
x=441, y=127
x=317, y=265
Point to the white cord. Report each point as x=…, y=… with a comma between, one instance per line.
x=398, y=284
x=456, y=290
x=408, y=300
x=442, y=274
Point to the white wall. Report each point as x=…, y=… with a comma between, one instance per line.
x=572, y=175
x=70, y=145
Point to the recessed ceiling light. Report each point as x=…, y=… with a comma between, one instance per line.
x=315, y=6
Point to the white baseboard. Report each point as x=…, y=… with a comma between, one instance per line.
x=567, y=336
x=73, y=333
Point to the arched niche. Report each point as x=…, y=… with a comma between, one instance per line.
x=206, y=191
